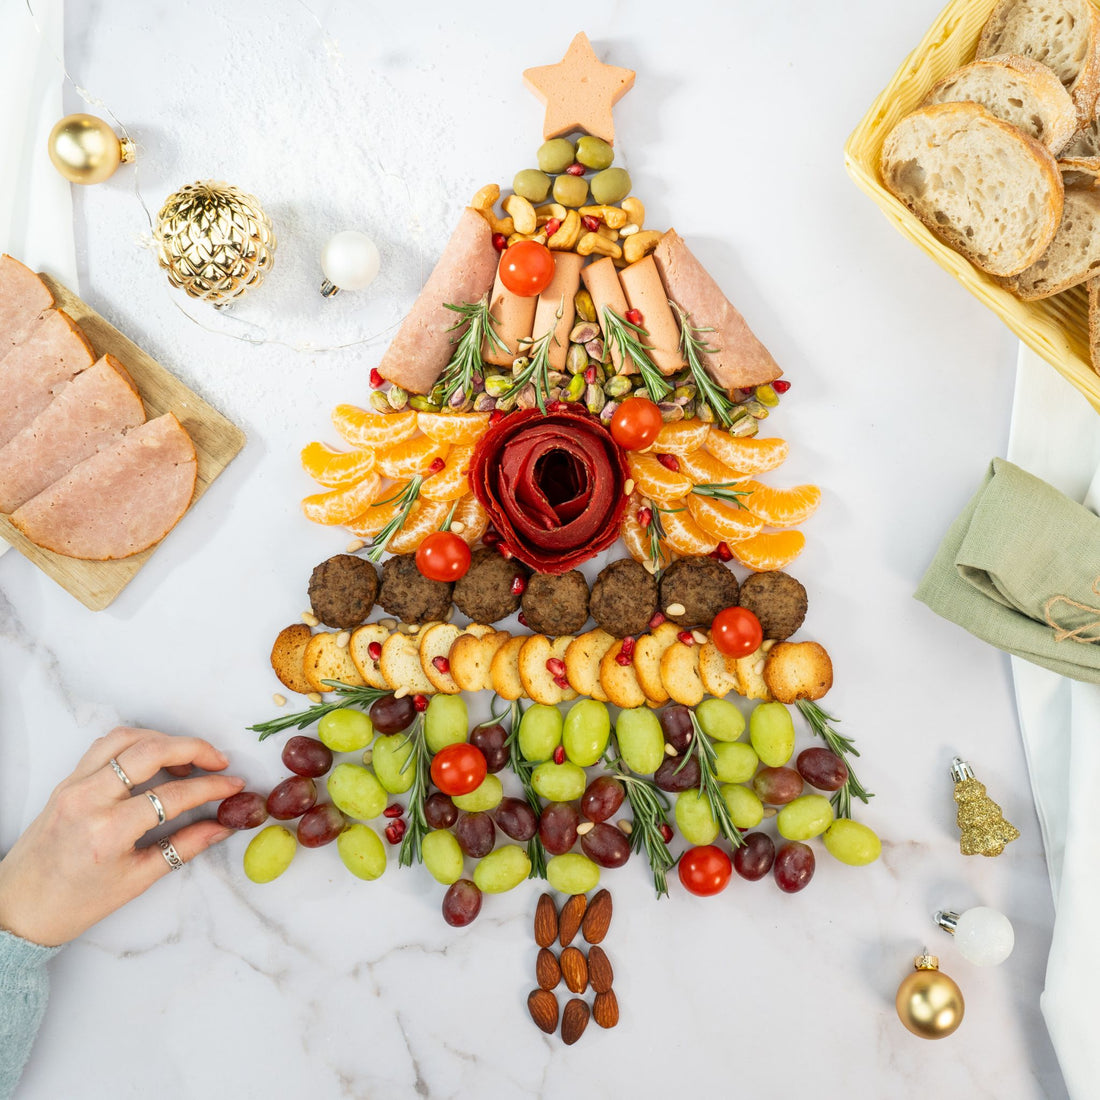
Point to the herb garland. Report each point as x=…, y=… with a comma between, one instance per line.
x=361, y=697
x=421, y=760
x=626, y=337
x=840, y=746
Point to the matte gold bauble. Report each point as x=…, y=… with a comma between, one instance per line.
x=929, y=1003
x=214, y=241
x=84, y=149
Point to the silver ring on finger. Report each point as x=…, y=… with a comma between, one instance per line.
x=171, y=856
x=117, y=767
x=158, y=806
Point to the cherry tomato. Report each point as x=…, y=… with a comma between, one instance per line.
x=736, y=632
x=636, y=423
x=459, y=769
x=705, y=871
x=526, y=268
x=443, y=556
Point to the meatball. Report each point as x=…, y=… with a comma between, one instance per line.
x=485, y=593
x=777, y=600
x=556, y=605
x=409, y=596
x=624, y=598
x=701, y=586
x=342, y=590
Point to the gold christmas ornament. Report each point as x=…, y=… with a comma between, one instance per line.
x=84, y=149
x=984, y=829
x=214, y=241
x=929, y=1003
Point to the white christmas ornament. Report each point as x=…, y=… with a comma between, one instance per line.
x=350, y=261
x=984, y=936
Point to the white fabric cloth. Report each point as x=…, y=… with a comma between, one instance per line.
x=1055, y=435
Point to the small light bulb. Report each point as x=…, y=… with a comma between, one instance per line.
x=350, y=261
x=984, y=935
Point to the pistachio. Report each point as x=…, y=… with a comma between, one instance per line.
x=704, y=412
x=745, y=426
x=585, y=331
x=585, y=307
x=458, y=400
x=576, y=359
x=419, y=402
x=380, y=402
x=497, y=385
x=527, y=398
x=596, y=349
x=438, y=396
x=767, y=396
x=483, y=403
x=607, y=412
x=478, y=381
x=755, y=409
x=575, y=390
x=553, y=394
x=617, y=386
x=594, y=399
x=508, y=403
x=554, y=378
x=397, y=397
x=670, y=413
x=519, y=365
x=689, y=410
x=683, y=394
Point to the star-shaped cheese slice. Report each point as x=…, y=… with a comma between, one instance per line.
x=579, y=91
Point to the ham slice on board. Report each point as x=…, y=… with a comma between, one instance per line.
x=89, y=413
x=644, y=292
x=560, y=294
x=601, y=280
x=464, y=273
x=740, y=360
x=119, y=501
x=23, y=296
x=52, y=353
x=513, y=317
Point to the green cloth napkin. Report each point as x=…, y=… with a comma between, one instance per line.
x=1020, y=568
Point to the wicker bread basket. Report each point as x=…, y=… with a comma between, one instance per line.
x=1056, y=328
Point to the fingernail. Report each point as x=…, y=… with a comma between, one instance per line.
x=220, y=835
x=238, y=782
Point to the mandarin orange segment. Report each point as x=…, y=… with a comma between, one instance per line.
x=781, y=507
x=361, y=428
x=413, y=456
x=683, y=534
x=681, y=437
x=769, y=550
x=467, y=427
x=374, y=517
x=636, y=537
x=725, y=522
x=703, y=468
x=473, y=518
x=335, y=469
x=451, y=482
x=749, y=455
x=426, y=516
x=658, y=482
x=341, y=505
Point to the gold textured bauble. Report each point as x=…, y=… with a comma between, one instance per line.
x=84, y=149
x=214, y=241
x=929, y=1003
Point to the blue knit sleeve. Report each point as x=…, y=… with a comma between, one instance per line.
x=24, y=986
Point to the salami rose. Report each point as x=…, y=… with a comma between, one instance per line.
x=552, y=485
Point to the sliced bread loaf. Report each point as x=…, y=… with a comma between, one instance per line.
x=1016, y=90
x=1094, y=324
x=1064, y=35
x=979, y=184
x=1086, y=142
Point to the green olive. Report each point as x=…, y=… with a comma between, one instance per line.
x=610, y=186
x=532, y=185
x=556, y=155
x=594, y=152
x=571, y=190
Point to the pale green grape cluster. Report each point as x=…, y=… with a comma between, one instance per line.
x=356, y=791
x=641, y=740
x=446, y=721
x=540, y=732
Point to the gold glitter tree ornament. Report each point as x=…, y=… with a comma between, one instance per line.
x=984, y=829
x=214, y=241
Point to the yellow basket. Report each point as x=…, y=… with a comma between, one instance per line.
x=1056, y=328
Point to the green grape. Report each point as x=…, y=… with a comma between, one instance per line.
x=720, y=719
x=808, y=815
x=361, y=851
x=356, y=791
x=734, y=761
x=572, y=873
x=771, y=731
x=539, y=732
x=269, y=853
x=502, y=869
x=487, y=796
x=852, y=842
x=391, y=754
x=587, y=731
x=442, y=856
x=746, y=809
x=694, y=819
x=345, y=730
x=559, y=782
x=641, y=740
x=446, y=721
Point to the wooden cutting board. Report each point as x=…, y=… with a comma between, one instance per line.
x=217, y=442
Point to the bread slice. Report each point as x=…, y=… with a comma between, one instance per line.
x=325, y=659
x=362, y=638
x=582, y=663
x=1062, y=34
x=1017, y=90
x=680, y=673
x=980, y=185
x=538, y=681
x=750, y=673
x=287, y=655
x=504, y=669
x=472, y=656
x=1085, y=142
x=717, y=671
x=435, y=643
x=620, y=682
x=648, y=651
x=400, y=665
x=798, y=670
x=1094, y=323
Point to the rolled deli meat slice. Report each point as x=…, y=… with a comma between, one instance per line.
x=560, y=294
x=464, y=273
x=23, y=296
x=739, y=359
x=121, y=500
x=513, y=317
x=88, y=414
x=645, y=293
x=52, y=353
x=601, y=280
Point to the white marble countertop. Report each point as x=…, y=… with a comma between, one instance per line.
x=386, y=118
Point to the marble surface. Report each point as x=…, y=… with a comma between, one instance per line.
x=386, y=118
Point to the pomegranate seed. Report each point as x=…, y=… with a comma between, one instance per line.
x=374, y=651
x=552, y=226
x=670, y=462
x=575, y=169
x=559, y=755
x=644, y=517
x=562, y=682
x=723, y=552
x=634, y=316
x=623, y=659
x=490, y=538
x=437, y=465
x=685, y=636
x=420, y=702
x=496, y=416
x=665, y=830
x=555, y=666
x=781, y=385
x=441, y=665
x=590, y=375
x=500, y=242
x=396, y=810
x=522, y=619
x=519, y=586
x=395, y=831
x=748, y=391
x=590, y=223
x=505, y=553
x=657, y=619
x=628, y=646
x=376, y=379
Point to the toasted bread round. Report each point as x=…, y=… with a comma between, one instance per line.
x=750, y=674
x=798, y=670
x=325, y=660
x=620, y=682
x=287, y=657
x=435, y=642
x=582, y=663
x=648, y=651
x=538, y=681
x=504, y=669
x=472, y=658
x=717, y=671
x=680, y=673
x=359, y=647
x=400, y=665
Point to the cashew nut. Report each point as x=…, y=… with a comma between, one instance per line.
x=523, y=213
x=568, y=232
x=549, y=210
x=593, y=242
x=483, y=203
x=634, y=210
x=609, y=215
x=642, y=244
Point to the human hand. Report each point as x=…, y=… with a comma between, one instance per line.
x=77, y=861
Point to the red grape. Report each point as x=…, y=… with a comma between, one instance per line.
x=321, y=825
x=602, y=798
x=669, y=779
x=516, y=819
x=605, y=845
x=558, y=827
x=461, y=903
x=777, y=786
x=246, y=810
x=822, y=768
x=754, y=859
x=307, y=756
x=392, y=715
x=292, y=797
x=439, y=811
x=676, y=723
x=794, y=866
x=492, y=740
x=475, y=834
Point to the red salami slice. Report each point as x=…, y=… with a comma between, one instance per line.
x=23, y=296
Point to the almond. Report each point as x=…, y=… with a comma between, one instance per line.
x=574, y=1019
x=543, y=1006
x=600, y=974
x=574, y=969
x=572, y=913
x=605, y=1009
x=546, y=921
x=547, y=970
x=597, y=919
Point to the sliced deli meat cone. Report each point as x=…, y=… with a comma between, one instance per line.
x=120, y=501
x=644, y=292
x=23, y=296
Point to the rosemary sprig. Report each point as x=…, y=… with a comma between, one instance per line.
x=655, y=533
x=841, y=746
x=522, y=769
x=408, y=498
x=627, y=338
x=693, y=347
x=421, y=760
x=650, y=807
x=466, y=361
x=701, y=748
x=538, y=368
x=361, y=697
x=722, y=490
